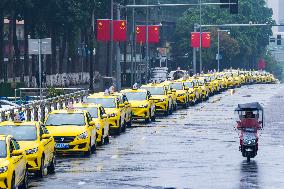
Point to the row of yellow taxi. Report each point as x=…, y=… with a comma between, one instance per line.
x=30, y=147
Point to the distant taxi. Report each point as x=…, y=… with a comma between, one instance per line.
x=143, y=107
x=73, y=131
x=116, y=111
x=38, y=144
x=99, y=116
x=161, y=96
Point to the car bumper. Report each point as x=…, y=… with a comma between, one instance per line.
x=33, y=162
x=181, y=100
x=140, y=113
x=114, y=122
x=161, y=106
x=76, y=146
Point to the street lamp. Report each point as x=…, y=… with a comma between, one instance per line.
x=218, y=57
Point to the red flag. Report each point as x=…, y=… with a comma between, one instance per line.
x=195, y=39
x=119, y=30
x=103, y=30
x=153, y=34
x=206, y=40
x=141, y=34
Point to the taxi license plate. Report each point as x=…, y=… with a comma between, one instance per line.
x=61, y=146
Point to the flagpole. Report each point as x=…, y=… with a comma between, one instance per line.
x=132, y=45
x=200, y=48
x=118, y=67
x=147, y=43
x=111, y=39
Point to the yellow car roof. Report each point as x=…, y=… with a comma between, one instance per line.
x=86, y=105
x=101, y=96
x=152, y=85
x=20, y=123
x=69, y=111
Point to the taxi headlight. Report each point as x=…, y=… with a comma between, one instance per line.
x=32, y=151
x=112, y=115
x=84, y=135
x=3, y=169
x=162, y=100
x=143, y=106
x=179, y=95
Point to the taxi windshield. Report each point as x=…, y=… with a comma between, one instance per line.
x=20, y=133
x=3, y=151
x=105, y=102
x=155, y=90
x=136, y=96
x=92, y=110
x=188, y=84
x=177, y=86
x=76, y=119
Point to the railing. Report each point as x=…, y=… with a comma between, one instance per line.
x=37, y=110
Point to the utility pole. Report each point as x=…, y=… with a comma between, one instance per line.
x=219, y=46
x=91, y=84
x=118, y=67
x=194, y=54
x=132, y=45
x=147, y=42
x=200, y=28
x=111, y=39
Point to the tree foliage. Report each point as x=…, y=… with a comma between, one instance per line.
x=242, y=48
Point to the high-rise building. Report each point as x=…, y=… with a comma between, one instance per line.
x=275, y=5
x=281, y=15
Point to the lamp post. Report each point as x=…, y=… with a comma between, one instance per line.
x=218, y=57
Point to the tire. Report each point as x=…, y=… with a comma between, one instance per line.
x=171, y=110
x=106, y=140
x=102, y=141
x=123, y=128
x=167, y=112
x=40, y=173
x=88, y=153
x=248, y=159
x=25, y=183
x=153, y=118
x=51, y=167
x=13, y=182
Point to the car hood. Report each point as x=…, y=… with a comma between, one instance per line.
x=158, y=97
x=111, y=110
x=28, y=144
x=136, y=103
x=66, y=130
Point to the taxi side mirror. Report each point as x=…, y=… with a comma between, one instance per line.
x=126, y=103
x=92, y=123
x=174, y=90
x=17, y=152
x=104, y=116
x=121, y=105
x=186, y=88
x=46, y=136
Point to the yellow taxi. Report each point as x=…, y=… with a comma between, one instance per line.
x=38, y=144
x=127, y=106
x=143, y=107
x=172, y=93
x=73, y=130
x=189, y=83
x=116, y=111
x=99, y=116
x=205, y=88
x=161, y=96
x=185, y=95
x=13, y=164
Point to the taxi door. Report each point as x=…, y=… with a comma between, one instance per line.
x=18, y=161
x=104, y=121
x=46, y=144
x=92, y=129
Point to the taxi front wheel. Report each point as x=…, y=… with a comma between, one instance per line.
x=25, y=183
x=40, y=172
x=51, y=167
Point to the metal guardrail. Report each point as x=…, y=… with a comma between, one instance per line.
x=37, y=110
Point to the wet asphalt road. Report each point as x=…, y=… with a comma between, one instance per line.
x=193, y=148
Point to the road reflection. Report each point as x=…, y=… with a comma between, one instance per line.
x=249, y=175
